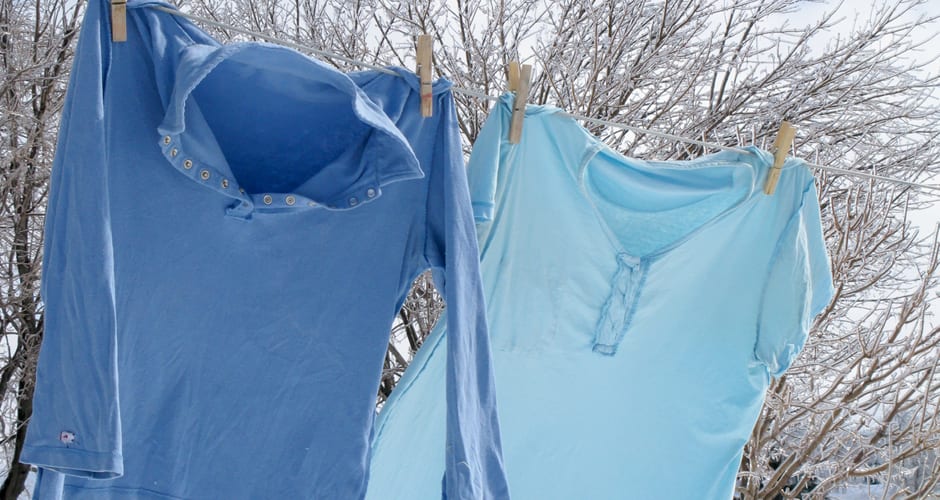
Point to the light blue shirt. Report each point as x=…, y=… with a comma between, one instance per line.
x=230, y=233
x=638, y=311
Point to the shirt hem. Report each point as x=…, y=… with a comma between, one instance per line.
x=112, y=493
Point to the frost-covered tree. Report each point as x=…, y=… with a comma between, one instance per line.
x=36, y=41
x=861, y=403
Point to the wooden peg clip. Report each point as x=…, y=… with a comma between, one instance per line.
x=425, y=45
x=518, y=104
x=781, y=147
x=118, y=20
x=512, y=74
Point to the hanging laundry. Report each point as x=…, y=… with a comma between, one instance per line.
x=230, y=232
x=638, y=311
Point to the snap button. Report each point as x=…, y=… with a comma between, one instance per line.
x=268, y=199
x=353, y=201
x=370, y=193
x=204, y=174
x=224, y=183
x=188, y=164
x=173, y=152
x=290, y=200
x=166, y=139
x=311, y=204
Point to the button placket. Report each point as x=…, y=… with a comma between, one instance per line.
x=246, y=203
x=242, y=209
x=243, y=206
x=282, y=201
x=171, y=150
x=617, y=313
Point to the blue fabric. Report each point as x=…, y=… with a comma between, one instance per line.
x=638, y=311
x=230, y=233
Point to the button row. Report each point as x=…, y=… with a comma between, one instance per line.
x=205, y=174
x=352, y=201
x=289, y=200
x=268, y=199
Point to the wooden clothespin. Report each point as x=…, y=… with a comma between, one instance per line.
x=425, y=44
x=781, y=147
x=118, y=20
x=518, y=104
x=512, y=74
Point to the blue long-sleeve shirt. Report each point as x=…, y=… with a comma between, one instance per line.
x=230, y=233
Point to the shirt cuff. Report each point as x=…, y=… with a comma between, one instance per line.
x=80, y=463
x=482, y=211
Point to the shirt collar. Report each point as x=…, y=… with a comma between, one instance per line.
x=387, y=158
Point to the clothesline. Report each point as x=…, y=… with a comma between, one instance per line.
x=485, y=96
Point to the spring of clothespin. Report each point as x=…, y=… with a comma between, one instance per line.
x=118, y=20
x=521, y=87
x=425, y=45
x=781, y=147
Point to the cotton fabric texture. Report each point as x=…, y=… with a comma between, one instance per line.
x=230, y=233
x=638, y=311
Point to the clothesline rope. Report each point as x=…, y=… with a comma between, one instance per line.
x=485, y=96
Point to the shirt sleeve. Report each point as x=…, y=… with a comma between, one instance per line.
x=798, y=287
x=474, y=465
x=483, y=168
x=75, y=425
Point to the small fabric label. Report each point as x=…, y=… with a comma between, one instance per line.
x=67, y=437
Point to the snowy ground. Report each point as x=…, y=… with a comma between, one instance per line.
x=866, y=492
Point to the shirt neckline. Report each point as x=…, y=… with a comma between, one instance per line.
x=390, y=158
x=749, y=181
x=755, y=162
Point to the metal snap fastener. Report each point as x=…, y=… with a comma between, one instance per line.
x=224, y=183
x=311, y=204
x=188, y=164
x=290, y=200
x=204, y=174
x=268, y=199
x=370, y=193
x=353, y=201
x=173, y=152
x=166, y=139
